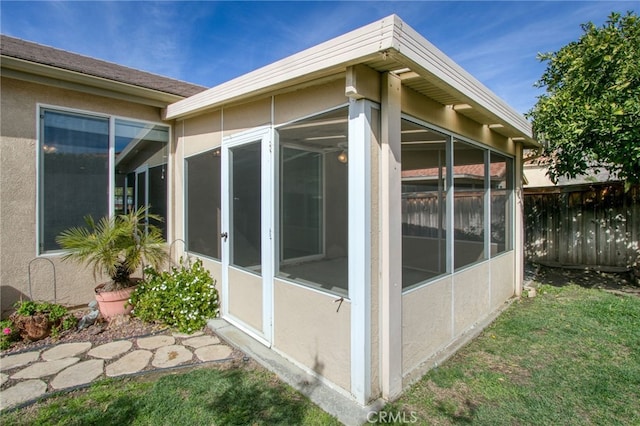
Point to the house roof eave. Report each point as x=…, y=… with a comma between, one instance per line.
x=387, y=45
x=21, y=69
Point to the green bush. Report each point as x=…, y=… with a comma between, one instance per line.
x=184, y=297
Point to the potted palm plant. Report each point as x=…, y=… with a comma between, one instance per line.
x=116, y=246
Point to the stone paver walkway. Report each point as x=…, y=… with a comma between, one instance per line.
x=28, y=375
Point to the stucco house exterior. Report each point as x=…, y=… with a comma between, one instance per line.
x=359, y=203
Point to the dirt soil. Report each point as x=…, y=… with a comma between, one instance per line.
x=622, y=283
x=101, y=332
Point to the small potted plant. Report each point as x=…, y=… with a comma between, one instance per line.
x=116, y=246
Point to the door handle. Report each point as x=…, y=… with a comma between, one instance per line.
x=224, y=235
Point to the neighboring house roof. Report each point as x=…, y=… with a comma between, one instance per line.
x=21, y=59
x=474, y=171
x=388, y=45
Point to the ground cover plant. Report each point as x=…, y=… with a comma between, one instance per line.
x=570, y=356
x=246, y=395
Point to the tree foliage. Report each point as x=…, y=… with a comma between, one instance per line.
x=589, y=117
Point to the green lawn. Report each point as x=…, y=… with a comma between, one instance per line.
x=570, y=356
x=205, y=396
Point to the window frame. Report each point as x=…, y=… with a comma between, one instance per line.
x=277, y=144
x=40, y=109
x=449, y=199
x=185, y=198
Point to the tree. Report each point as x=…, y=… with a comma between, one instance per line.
x=589, y=117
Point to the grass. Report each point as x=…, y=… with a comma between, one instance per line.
x=205, y=396
x=570, y=356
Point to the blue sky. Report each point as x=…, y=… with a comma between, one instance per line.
x=210, y=42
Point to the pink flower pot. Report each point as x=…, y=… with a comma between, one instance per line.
x=112, y=303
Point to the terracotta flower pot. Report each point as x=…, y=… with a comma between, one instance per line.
x=112, y=303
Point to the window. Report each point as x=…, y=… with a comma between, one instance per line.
x=479, y=197
x=87, y=170
x=141, y=155
x=468, y=208
x=203, y=203
x=501, y=183
x=246, y=202
x=424, y=188
x=313, y=201
x=74, y=172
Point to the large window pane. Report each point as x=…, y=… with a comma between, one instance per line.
x=203, y=203
x=141, y=151
x=301, y=203
x=424, y=189
x=245, y=199
x=314, y=202
x=468, y=208
x=74, y=172
x=501, y=180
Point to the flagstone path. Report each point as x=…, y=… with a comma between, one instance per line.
x=29, y=375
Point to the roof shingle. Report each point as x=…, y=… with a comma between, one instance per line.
x=46, y=55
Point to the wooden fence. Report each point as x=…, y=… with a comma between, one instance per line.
x=595, y=225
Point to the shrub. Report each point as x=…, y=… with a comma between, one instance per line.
x=184, y=297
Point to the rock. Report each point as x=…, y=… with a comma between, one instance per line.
x=213, y=352
x=78, y=374
x=66, y=350
x=129, y=364
x=170, y=356
x=3, y=378
x=110, y=350
x=198, y=342
x=18, y=360
x=155, y=342
x=43, y=369
x=22, y=392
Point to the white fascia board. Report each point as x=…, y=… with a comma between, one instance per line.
x=389, y=36
x=431, y=60
x=349, y=48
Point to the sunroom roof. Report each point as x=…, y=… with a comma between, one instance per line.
x=388, y=45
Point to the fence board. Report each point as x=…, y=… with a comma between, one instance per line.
x=590, y=225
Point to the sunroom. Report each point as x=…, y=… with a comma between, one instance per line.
x=358, y=203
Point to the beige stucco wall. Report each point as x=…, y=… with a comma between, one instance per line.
x=471, y=290
x=245, y=298
x=427, y=322
x=502, y=279
x=310, y=100
x=435, y=314
x=419, y=106
x=18, y=145
x=311, y=330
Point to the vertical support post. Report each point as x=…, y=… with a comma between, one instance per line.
x=519, y=222
x=391, y=238
x=360, y=247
